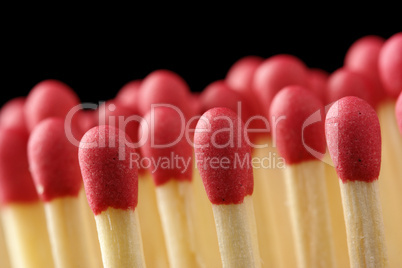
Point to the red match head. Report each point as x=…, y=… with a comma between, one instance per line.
x=398, y=112
x=297, y=120
x=276, y=73
x=165, y=87
x=53, y=161
x=129, y=94
x=12, y=114
x=219, y=94
x=240, y=75
x=317, y=83
x=363, y=57
x=16, y=185
x=223, y=157
x=163, y=133
x=354, y=139
x=115, y=114
x=345, y=82
x=110, y=176
x=49, y=98
x=390, y=65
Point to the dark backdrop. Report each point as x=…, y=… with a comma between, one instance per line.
x=96, y=63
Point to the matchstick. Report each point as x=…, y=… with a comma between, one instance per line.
x=161, y=130
x=4, y=259
x=53, y=162
x=220, y=136
x=302, y=144
x=111, y=185
x=23, y=215
x=364, y=56
x=128, y=95
x=354, y=142
x=268, y=184
x=398, y=112
x=117, y=113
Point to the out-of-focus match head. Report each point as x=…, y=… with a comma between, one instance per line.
x=362, y=57
x=344, y=82
x=110, y=176
x=167, y=87
x=223, y=156
x=162, y=133
x=240, y=75
x=398, y=112
x=220, y=94
x=53, y=161
x=129, y=94
x=317, y=83
x=16, y=185
x=390, y=65
x=354, y=139
x=276, y=73
x=12, y=114
x=115, y=114
x=49, y=98
x=297, y=121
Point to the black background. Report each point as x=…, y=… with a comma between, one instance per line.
x=96, y=63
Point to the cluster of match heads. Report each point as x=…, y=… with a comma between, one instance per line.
x=51, y=145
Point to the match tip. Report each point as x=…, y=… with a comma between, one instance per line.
x=110, y=177
x=276, y=73
x=53, y=161
x=223, y=156
x=240, y=75
x=163, y=86
x=49, y=98
x=16, y=184
x=167, y=149
x=362, y=57
x=12, y=114
x=297, y=121
x=345, y=82
x=398, y=112
x=317, y=83
x=354, y=139
x=129, y=94
x=390, y=65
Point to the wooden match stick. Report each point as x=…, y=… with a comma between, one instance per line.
x=118, y=113
x=354, y=142
x=220, y=137
x=4, y=259
x=162, y=128
x=111, y=185
x=302, y=144
x=23, y=215
x=364, y=56
x=53, y=162
x=398, y=112
x=268, y=184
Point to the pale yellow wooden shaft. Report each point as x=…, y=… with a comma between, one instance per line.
x=174, y=200
x=364, y=224
x=235, y=235
x=90, y=231
x=151, y=227
x=4, y=259
x=26, y=235
x=206, y=241
x=67, y=233
x=390, y=181
x=309, y=213
x=120, y=239
x=336, y=213
x=272, y=218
